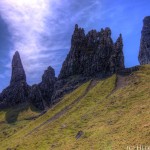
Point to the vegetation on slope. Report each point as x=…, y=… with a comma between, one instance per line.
x=107, y=117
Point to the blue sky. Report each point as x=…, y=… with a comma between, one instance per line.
x=41, y=30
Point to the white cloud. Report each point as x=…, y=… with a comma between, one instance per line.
x=27, y=22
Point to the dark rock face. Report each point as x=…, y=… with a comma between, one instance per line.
x=36, y=98
x=18, y=90
x=40, y=94
x=16, y=93
x=63, y=86
x=93, y=53
x=144, y=54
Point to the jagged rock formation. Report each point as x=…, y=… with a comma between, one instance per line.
x=144, y=54
x=40, y=94
x=93, y=53
x=90, y=55
x=18, y=90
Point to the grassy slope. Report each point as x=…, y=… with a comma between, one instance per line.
x=109, y=120
x=8, y=123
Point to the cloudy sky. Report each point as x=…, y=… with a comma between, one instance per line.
x=41, y=30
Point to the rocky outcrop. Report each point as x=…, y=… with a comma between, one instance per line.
x=18, y=90
x=90, y=55
x=94, y=53
x=144, y=54
x=41, y=94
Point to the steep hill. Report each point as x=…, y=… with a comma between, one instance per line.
x=101, y=114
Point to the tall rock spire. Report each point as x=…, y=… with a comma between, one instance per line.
x=18, y=73
x=18, y=90
x=117, y=57
x=144, y=54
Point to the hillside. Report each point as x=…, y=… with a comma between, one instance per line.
x=108, y=114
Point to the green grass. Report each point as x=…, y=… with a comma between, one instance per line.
x=109, y=120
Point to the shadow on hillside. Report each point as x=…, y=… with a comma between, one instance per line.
x=12, y=114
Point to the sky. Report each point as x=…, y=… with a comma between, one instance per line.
x=41, y=31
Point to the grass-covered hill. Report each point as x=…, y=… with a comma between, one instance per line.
x=108, y=114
